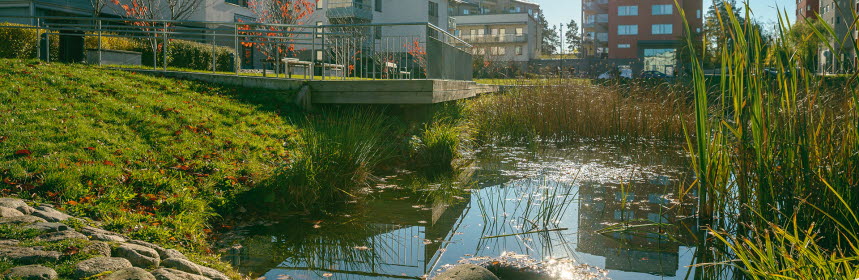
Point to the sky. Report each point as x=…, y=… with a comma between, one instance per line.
x=562, y=11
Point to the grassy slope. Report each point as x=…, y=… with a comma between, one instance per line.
x=149, y=156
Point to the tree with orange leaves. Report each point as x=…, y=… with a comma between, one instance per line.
x=271, y=39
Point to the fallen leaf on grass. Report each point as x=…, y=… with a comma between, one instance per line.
x=23, y=153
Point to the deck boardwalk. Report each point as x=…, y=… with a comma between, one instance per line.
x=348, y=91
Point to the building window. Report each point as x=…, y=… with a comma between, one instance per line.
x=627, y=10
x=518, y=50
x=662, y=29
x=377, y=32
x=502, y=51
x=319, y=30
x=378, y=5
x=319, y=4
x=662, y=10
x=520, y=31
x=319, y=55
x=623, y=46
x=433, y=9
x=627, y=30
x=698, y=14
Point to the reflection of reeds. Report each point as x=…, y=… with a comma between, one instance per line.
x=523, y=209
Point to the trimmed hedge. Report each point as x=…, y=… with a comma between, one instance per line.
x=23, y=43
x=114, y=43
x=193, y=55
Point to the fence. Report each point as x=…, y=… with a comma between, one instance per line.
x=336, y=51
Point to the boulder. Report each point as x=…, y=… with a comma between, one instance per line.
x=50, y=214
x=98, y=248
x=466, y=272
x=31, y=272
x=26, y=219
x=182, y=265
x=213, y=273
x=134, y=273
x=164, y=253
x=139, y=256
x=61, y=235
x=172, y=274
x=98, y=265
x=9, y=212
x=48, y=227
x=102, y=235
x=24, y=255
x=16, y=204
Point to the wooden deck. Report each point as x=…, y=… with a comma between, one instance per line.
x=347, y=91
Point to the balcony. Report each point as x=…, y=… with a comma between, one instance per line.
x=595, y=6
x=349, y=10
x=494, y=39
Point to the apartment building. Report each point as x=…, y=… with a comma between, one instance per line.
x=504, y=31
x=842, y=58
x=807, y=9
x=645, y=32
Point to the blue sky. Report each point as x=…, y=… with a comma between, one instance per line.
x=561, y=11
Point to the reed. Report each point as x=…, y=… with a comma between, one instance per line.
x=575, y=110
x=777, y=156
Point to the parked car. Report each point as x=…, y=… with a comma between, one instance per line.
x=623, y=74
x=653, y=75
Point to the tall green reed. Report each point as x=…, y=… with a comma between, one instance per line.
x=777, y=156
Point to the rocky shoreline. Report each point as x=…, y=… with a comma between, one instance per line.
x=38, y=241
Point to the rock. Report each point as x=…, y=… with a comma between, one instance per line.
x=30, y=272
x=102, y=235
x=183, y=265
x=133, y=273
x=16, y=204
x=172, y=274
x=164, y=253
x=50, y=214
x=9, y=212
x=26, y=219
x=99, y=248
x=9, y=242
x=61, y=235
x=139, y=256
x=213, y=273
x=26, y=255
x=98, y=265
x=466, y=272
x=48, y=227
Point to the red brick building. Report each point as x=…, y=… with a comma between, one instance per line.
x=807, y=9
x=649, y=32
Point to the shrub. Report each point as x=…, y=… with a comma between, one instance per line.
x=115, y=43
x=438, y=145
x=22, y=42
x=192, y=55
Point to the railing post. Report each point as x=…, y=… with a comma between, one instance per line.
x=214, y=59
x=47, y=43
x=323, y=54
x=313, y=54
x=164, y=46
x=39, y=49
x=99, y=43
x=236, y=50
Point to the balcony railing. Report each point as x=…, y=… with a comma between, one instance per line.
x=349, y=9
x=483, y=39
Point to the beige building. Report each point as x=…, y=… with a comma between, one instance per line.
x=500, y=30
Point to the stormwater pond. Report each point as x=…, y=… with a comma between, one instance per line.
x=583, y=211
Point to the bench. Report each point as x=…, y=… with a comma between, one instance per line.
x=335, y=68
x=393, y=68
x=295, y=62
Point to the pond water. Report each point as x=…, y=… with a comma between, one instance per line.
x=588, y=211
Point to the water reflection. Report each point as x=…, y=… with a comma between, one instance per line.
x=605, y=206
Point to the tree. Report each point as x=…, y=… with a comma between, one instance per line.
x=574, y=37
x=277, y=41
x=148, y=11
x=551, y=39
x=717, y=27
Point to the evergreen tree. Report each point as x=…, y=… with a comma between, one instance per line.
x=551, y=39
x=573, y=37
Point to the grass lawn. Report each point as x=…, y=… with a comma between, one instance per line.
x=151, y=157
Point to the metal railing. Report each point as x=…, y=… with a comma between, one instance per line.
x=345, y=51
x=506, y=38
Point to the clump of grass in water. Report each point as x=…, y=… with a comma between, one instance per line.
x=776, y=159
x=340, y=152
x=572, y=111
